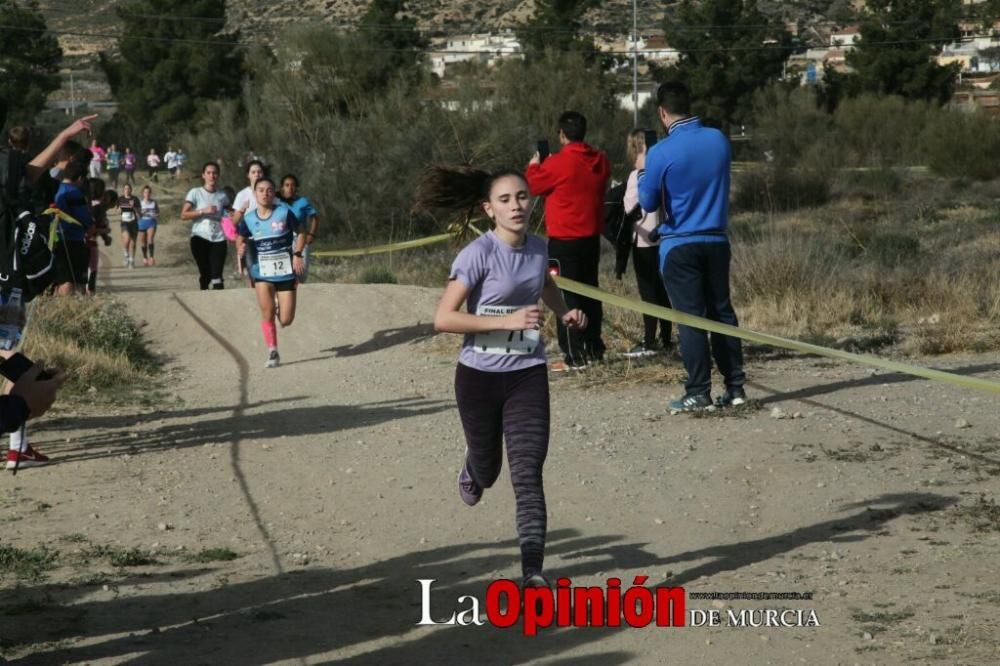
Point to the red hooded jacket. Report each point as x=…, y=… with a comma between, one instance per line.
x=573, y=182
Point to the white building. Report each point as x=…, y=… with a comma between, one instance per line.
x=846, y=38
x=625, y=100
x=657, y=50
x=488, y=48
x=975, y=55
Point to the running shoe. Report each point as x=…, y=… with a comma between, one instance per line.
x=273, y=359
x=641, y=350
x=27, y=458
x=125, y=261
x=131, y=262
x=692, y=403
x=470, y=491
x=733, y=397
x=152, y=261
x=535, y=580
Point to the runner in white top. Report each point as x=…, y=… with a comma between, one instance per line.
x=245, y=200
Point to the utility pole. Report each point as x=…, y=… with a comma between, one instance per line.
x=635, y=64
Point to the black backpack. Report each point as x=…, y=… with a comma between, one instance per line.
x=619, y=226
x=25, y=248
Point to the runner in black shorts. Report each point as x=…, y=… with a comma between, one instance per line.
x=128, y=206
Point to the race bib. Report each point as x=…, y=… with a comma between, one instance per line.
x=508, y=343
x=128, y=216
x=275, y=265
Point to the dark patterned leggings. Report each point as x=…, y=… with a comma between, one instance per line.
x=514, y=405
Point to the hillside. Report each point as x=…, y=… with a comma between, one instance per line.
x=93, y=18
x=87, y=27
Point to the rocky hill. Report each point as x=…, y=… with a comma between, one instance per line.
x=85, y=21
x=87, y=27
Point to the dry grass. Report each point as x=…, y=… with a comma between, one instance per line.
x=916, y=271
x=94, y=340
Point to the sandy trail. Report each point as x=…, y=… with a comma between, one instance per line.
x=333, y=479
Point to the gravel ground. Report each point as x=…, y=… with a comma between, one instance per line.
x=284, y=516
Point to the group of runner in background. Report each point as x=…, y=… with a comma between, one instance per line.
x=272, y=235
x=115, y=162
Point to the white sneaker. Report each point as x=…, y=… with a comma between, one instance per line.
x=273, y=359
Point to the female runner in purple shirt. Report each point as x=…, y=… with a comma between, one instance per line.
x=501, y=382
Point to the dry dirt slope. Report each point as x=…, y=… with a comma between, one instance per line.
x=332, y=482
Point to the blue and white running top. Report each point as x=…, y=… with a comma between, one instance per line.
x=270, y=243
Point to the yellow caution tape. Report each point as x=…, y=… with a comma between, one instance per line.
x=702, y=323
x=773, y=340
x=379, y=249
x=62, y=215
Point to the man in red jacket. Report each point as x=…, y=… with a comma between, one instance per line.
x=573, y=182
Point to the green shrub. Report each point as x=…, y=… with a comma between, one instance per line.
x=378, y=275
x=26, y=564
x=772, y=189
x=893, y=249
x=966, y=146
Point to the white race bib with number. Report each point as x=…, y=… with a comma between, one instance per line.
x=274, y=265
x=509, y=343
x=128, y=216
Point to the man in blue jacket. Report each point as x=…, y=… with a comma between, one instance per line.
x=687, y=175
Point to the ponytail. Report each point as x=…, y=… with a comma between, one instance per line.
x=459, y=188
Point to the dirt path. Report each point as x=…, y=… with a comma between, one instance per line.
x=332, y=481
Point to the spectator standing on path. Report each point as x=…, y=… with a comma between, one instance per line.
x=153, y=162
x=573, y=182
x=129, y=161
x=114, y=164
x=70, y=254
x=646, y=259
x=17, y=184
x=687, y=176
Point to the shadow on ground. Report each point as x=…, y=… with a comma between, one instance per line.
x=185, y=428
x=372, y=610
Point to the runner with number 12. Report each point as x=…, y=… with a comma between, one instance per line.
x=267, y=238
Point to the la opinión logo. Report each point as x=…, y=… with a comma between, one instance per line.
x=507, y=604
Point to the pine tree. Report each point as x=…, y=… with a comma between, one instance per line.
x=173, y=55
x=728, y=50
x=556, y=26
x=899, y=39
x=29, y=59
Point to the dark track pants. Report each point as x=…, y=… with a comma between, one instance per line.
x=211, y=260
x=646, y=262
x=696, y=276
x=579, y=259
x=511, y=406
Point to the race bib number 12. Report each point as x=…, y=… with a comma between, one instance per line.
x=510, y=343
x=274, y=265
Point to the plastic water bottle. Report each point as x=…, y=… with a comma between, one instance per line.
x=11, y=320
